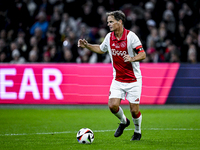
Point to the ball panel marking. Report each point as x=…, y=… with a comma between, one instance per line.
x=85, y=136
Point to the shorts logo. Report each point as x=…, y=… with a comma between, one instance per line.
x=137, y=100
x=109, y=93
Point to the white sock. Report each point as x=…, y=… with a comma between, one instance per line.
x=137, y=122
x=120, y=115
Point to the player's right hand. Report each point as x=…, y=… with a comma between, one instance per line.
x=82, y=43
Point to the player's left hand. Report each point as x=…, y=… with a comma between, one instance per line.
x=128, y=58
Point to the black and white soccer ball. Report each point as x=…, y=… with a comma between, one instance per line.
x=85, y=136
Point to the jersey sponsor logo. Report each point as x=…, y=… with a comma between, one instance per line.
x=118, y=53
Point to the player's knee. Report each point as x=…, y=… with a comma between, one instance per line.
x=113, y=106
x=134, y=110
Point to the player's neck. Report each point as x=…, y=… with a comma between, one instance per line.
x=119, y=33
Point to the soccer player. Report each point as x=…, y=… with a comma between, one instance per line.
x=125, y=50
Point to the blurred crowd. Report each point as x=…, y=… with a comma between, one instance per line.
x=47, y=31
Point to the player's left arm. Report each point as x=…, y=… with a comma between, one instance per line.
x=140, y=55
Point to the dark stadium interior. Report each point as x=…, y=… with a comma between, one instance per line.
x=46, y=31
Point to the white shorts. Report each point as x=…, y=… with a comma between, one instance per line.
x=130, y=91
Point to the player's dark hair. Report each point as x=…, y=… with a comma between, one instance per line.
x=118, y=15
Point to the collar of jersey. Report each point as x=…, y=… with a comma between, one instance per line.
x=123, y=38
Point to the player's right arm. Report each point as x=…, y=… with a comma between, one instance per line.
x=93, y=47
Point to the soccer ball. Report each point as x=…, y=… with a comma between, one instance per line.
x=85, y=136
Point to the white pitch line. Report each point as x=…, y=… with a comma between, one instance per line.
x=65, y=132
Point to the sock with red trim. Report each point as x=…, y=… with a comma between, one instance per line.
x=120, y=114
x=137, y=120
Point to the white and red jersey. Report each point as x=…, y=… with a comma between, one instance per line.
x=128, y=44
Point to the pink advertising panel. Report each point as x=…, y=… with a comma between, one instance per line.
x=77, y=83
x=157, y=81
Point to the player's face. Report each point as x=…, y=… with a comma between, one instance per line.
x=113, y=24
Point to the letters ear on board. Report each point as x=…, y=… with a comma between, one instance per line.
x=78, y=83
x=26, y=84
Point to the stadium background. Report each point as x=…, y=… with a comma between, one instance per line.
x=40, y=34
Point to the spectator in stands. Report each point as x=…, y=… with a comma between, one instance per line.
x=33, y=42
x=17, y=59
x=83, y=32
x=46, y=57
x=13, y=46
x=67, y=22
x=169, y=19
x=198, y=46
x=172, y=54
x=45, y=6
x=101, y=11
x=3, y=46
x=186, y=16
x=33, y=56
x=3, y=58
x=40, y=23
x=22, y=47
x=3, y=35
x=160, y=44
x=32, y=7
x=34, y=20
x=192, y=54
x=69, y=45
x=71, y=38
x=152, y=54
x=41, y=42
x=51, y=38
x=10, y=36
x=67, y=55
x=84, y=55
x=184, y=48
x=151, y=24
x=89, y=14
x=194, y=33
x=55, y=53
x=152, y=37
x=180, y=35
x=103, y=23
x=17, y=16
x=95, y=58
x=55, y=22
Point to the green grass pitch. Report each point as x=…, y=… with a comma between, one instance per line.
x=56, y=128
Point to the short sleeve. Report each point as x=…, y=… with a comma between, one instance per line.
x=136, y=41
x=136, y=44
x=105, y=44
